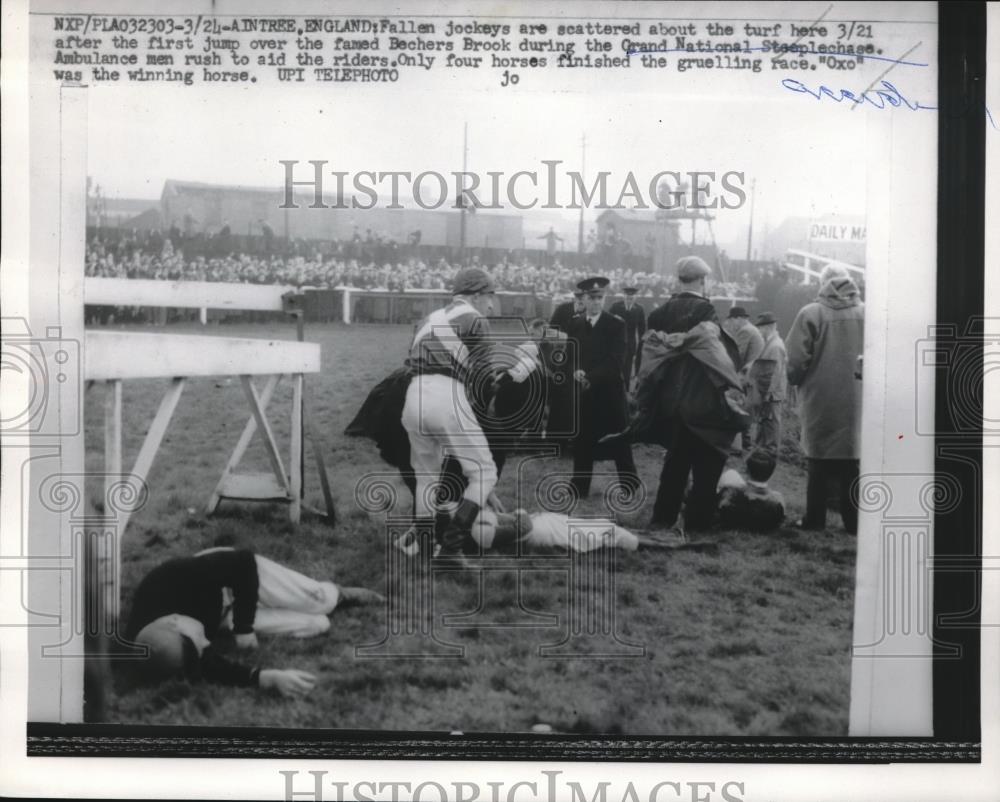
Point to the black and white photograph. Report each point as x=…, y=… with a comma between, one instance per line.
x=556, y=381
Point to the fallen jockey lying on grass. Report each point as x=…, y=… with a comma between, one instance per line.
x=183, y=604
x=552, y=531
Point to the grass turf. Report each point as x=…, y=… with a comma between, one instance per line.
x=752, y=641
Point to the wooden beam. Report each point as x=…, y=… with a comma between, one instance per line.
x=158, y=428
x=269, y=442
x=183, y=294
x=253, y=487
x=324, y=479
x=151, y=443
x=128, y=355
x=295, y=458
x=113, y=431
x=241, y=445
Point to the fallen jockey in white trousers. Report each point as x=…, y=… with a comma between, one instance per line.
x=552, y=531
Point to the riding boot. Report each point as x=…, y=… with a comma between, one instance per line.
x=441, y=521
x=457, y=534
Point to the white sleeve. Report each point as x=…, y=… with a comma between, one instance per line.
x=527, y=361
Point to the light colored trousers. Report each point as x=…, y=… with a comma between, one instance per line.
x=440, y=422
x=288, y=603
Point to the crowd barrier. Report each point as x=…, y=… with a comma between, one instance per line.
x=348, y=305
x=352, y=305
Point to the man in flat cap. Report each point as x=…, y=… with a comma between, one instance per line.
x=599, y=378
x=451, y=360
x=749, y=344
x=768, y=384
x=698, y=426
x=635, y=326
x=748, y=338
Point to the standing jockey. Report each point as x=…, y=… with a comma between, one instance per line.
x=451, y=360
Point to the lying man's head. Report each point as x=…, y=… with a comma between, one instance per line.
x=175, y=644
x=760, y=465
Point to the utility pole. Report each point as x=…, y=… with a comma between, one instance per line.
x=753, y=187
x=583, y=177
x=461, y=198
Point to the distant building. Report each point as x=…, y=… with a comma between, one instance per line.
x=123, y=212
x=197, y=207
x=649, y=234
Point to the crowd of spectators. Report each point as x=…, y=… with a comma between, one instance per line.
x=152, y=255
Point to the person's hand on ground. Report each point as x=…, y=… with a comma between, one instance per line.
x=247, y=640
x=494, y=503
x=289, y=682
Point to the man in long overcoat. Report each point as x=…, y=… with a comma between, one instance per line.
x=823, y=347
x=562, y=390
x=600, y=343
x=635, y=326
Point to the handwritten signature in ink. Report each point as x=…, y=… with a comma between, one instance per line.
x=887, y=95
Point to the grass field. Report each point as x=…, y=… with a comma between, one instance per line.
x=754, y=640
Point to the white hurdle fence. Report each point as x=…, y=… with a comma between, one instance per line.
x=114, y=356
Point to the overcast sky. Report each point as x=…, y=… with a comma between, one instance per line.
x=803, y=164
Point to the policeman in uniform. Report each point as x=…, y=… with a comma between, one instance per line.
x=599, y=379
x=635, y=326
x=561, y=387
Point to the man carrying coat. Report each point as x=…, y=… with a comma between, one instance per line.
x=600, y=339
x=694, y=421
x=823, y=346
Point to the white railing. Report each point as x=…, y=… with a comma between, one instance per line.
x=813, y=264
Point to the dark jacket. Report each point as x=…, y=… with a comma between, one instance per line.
x=635, y=325
x=688, y=394
x=192, y=586
x=380, y=418
x=563, y=314
x=601, y=354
